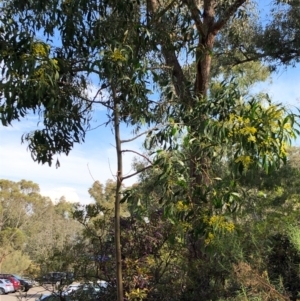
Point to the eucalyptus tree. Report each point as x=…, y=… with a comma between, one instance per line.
x=277, y=40
x=15, y=213
x=104, y=196
x=32, y=227
x=96, y=41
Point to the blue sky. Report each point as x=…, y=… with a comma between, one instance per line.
x=96, y=158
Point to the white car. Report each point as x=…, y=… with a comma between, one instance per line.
x=102, y=283
x=72, y=288
x=6, y=286
x=91, y=287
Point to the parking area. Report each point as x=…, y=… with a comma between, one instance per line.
x=31, y=295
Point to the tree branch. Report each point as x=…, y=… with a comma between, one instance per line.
x=228, y=14
x=195, y=12
x=104, y=103
x=104, y=86
x=96, y=127
x=161, y=13
x=136, y=137
x=135, y=152
x=178, y=77
x=136, y=173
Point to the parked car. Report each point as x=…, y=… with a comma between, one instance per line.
x=87, y=291
x=6, y=286
x=33, y=281
x=101, y=285
x=26, y=284
x=57, y=277
x=72, y=288
x=16, y=283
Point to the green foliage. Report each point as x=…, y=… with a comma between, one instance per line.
x=294, y=237
x=283, y=264
x=267, y=205
x=242, y=135
x=104, y=196
x=33, y=229
x=16, y=263
x=12, y=237
x=278, y=37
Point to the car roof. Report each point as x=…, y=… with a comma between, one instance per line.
x=7, y=275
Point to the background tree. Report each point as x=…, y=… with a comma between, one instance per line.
x=15, y=214
x=33, y=229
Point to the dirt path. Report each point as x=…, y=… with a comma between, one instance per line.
x=31, y=295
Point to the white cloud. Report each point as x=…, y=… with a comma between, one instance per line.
x=97, y=94
x=95, y=159
x=68, y=192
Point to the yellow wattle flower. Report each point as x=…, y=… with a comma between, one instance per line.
x=117, y=56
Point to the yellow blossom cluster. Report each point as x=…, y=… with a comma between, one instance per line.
x=55, y=63
x=287, y=126
x=44, y=68
x=180, y=206
x=39, y=73
x=283, y=149
x=217, y=223
x=185, y=226
x=118, y=56
x=40, y=50
x=245, y=160
x=210, y=237
x=137, y=294
x=249, y=131
x=267, y=128
x=275, y=113
x=242, y=126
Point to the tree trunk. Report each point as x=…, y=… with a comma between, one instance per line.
x=208, y=27
x=199, y=163
x=119, y=279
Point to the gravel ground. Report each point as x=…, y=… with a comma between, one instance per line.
x=31, y=295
